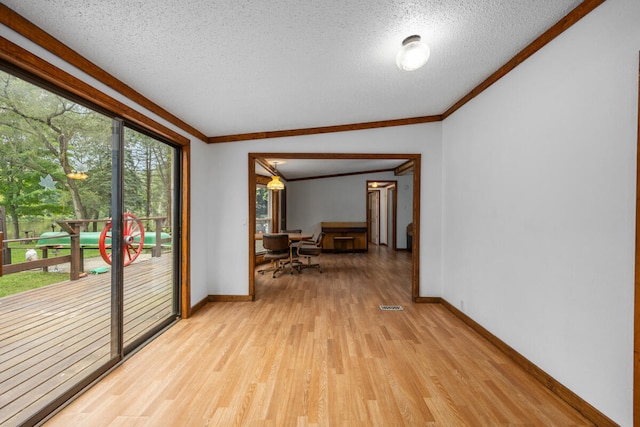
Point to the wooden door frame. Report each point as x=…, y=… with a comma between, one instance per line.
x=415, y=158
x=636, y=315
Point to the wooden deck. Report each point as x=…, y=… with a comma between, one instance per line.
x=52, y=337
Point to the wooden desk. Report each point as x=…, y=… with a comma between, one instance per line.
x=356, y=230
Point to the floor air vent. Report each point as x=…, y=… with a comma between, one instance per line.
x=391, y=308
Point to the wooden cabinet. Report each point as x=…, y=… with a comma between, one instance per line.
x=342, y=230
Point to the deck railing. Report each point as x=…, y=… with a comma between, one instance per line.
x=43, y=263
x=75, y=258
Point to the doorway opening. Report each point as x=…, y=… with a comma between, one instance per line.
x=409, y=165
x=382, y=211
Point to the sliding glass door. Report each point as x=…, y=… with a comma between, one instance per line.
x=55, y=324
x=88, y=212
x=150, y=214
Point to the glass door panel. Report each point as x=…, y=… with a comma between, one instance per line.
x=55, y=181
x=150, y=238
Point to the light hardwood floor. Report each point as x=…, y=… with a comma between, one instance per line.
x=315, y=349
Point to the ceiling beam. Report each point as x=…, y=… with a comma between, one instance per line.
x=337, y=175
x=323, y=129
x=404, y=169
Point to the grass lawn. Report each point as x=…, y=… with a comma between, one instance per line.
x=19, y=282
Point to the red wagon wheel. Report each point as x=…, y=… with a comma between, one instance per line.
x=133, y=239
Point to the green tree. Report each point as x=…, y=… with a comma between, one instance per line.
x=52, y=128
x=20, y=189
x=46, y=134
x=162, y=164
x=152, y=162
x=42, y=133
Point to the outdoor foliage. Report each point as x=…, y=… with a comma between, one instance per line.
x=45, y=135
x=262, y=202
x=262, y=210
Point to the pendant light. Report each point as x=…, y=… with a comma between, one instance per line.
x=275, y=184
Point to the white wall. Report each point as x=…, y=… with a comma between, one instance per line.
x=227, y=229
x=342, y=198
x=199, y=218
x=311, y=202
x=539, y=204
x=405, y=216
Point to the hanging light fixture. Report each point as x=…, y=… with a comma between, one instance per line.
x=413, y=54
x=275, y=184
x=80, y=172
x=77, y=175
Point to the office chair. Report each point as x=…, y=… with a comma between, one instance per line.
x=278, y=252
x=308, y=251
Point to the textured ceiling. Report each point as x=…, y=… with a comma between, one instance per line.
x=239, y=66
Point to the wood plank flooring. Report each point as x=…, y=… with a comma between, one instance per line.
x=314, y=349
x=53, y=337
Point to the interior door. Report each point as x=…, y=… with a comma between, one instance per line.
x=391, y=191
x=374, y=216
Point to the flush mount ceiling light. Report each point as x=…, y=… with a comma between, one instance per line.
x=275, y=184
x=413, y=54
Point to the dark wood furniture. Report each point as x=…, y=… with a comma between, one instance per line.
x=293, y=237
x=345, y=236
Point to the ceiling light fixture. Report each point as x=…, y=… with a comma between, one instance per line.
x=275, y=184
x=413, y=54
